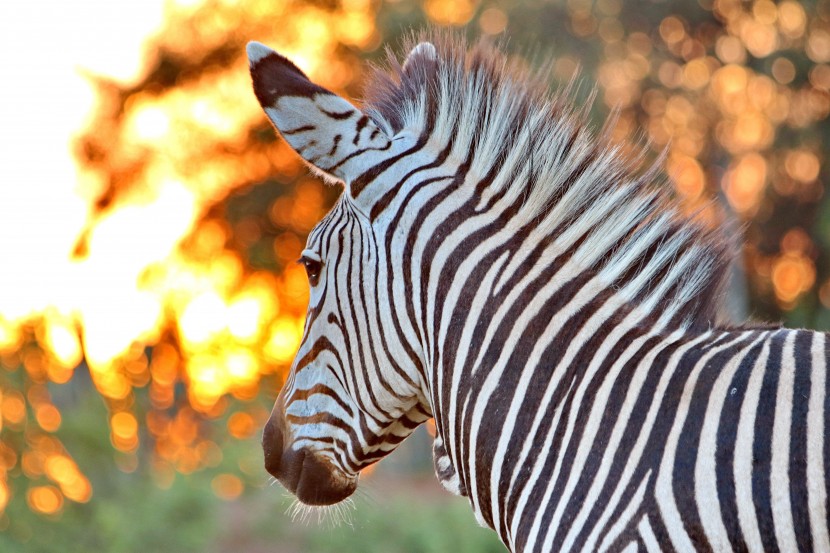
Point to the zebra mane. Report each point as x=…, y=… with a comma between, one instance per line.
x=537, y=147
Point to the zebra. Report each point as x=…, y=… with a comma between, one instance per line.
x=496, y=265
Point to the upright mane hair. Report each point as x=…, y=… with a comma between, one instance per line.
x=573, y=183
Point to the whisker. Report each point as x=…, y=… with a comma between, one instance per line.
x=325, y=515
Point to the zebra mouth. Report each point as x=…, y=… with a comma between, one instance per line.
x=312, y=479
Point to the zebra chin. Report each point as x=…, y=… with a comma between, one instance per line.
x=312, y=479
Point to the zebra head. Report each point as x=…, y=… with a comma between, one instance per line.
x=354, y=391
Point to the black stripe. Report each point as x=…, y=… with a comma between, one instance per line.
x=762, y=444
x=395, y=189
x=345, y=301
x=631, y=432
x=304, y=394
x=826, y=425
x=683, y=475
x=725, y=453
x=363, y=180
x=337, y=139
x=599, y=441
x=298, y=130
x=361, y=123
x=798, y=440
x=339, y=115
x=354, y=154
x=661, y=533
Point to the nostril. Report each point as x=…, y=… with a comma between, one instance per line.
x=272, y=447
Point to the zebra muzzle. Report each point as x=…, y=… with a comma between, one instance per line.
x=308, y=476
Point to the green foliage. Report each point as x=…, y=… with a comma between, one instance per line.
x=400, y=523
x=129, y=512
x=407, y=526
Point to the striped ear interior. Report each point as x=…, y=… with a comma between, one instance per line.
x=328, y=132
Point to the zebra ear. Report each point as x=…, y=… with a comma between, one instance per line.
x=424, y=52
x=328, y=132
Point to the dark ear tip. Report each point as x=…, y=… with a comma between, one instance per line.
x=259, y=53
x=275, y=75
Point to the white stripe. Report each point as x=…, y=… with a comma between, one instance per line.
x=631, y=548
x=663, y=488
x=644, y=435
x=618, y=527
x=706, y=486
x=782, y=516
x=495, y=372
x=535, y=470
x=529, y=371
x=743, y=453
x=479, y=416
x=816, y=483
x=621, y=424
x=600, y=357
x=437, y=278
x=652, y=545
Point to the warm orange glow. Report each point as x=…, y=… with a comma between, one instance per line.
x=450, y=12
x=241, y=425
x=672, y=29
x=45, y=499
x=492, y=21
x=227, y=486
x=802, y=165
x=796, y=240
x=64, y=472
x=13, y=407
x=8, y=458
x=32, y=463
x=818, y=45
x=132, y=274
x=696, y=73
x=820, y=76
x=124, y=433
x=4, y=493
x=129, y=255
x=751, y=131
x=791, y=18
x=61, y=338
x=744, y=183
x=48, y=417
x=285, y=337
x=730, y=49
x=687, y=175
x=792, y=274
x=759, y=38
x=202, y=319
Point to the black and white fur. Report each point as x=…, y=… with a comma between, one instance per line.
x=493, y=264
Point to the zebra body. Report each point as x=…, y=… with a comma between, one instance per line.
x=495, y=266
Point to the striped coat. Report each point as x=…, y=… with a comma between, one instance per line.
x=493, y=264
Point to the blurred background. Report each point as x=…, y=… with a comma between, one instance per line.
x=150, y=220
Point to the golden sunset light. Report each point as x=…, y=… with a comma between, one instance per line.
x=151, y=218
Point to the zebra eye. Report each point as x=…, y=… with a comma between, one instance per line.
x=313, y=267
